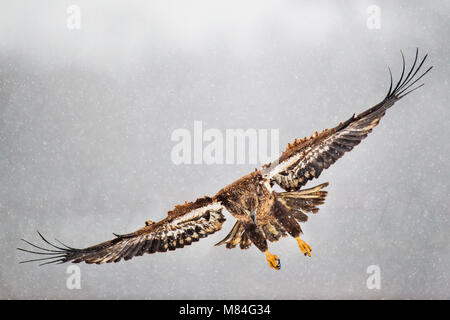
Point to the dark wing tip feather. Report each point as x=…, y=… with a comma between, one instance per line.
x=59, y=255
x=404, y=83
x=67, y=247
x=403, y=72
x=48, y=242
x=392, y=82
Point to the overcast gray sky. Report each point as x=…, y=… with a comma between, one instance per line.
x=86, y=117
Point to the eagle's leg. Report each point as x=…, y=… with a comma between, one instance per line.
x=258, y=238
x=304, y=247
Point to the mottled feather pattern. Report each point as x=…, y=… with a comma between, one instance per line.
x=237, y=235
x=198, y=220
x=322, y=154
x=305, y=159
x=273, y=231
x=304, y=201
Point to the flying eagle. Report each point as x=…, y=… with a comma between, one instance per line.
x=262, y=213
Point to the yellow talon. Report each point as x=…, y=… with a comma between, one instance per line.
x=273, y=260
x=304, y=247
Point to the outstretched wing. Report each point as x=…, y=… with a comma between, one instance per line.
x=305, y=159
x=185, y=224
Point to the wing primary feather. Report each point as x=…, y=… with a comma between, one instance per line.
x=48, y=242
x=41, y=259
x=42, y=253
x=414, y=89
x=55, y=262
x=392, y=82
x=412, y=83
x=403, y=72
x=411, y=70
x=37, y=247
x=68, y=248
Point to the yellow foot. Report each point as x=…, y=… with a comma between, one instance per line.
x=273, y=260
x=306, y=249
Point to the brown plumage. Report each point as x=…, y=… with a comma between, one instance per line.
x=262, y=213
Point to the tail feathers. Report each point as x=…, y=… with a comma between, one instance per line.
x=236, y=236
x=245, y=242
x=273, y=231
x=306, y=200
